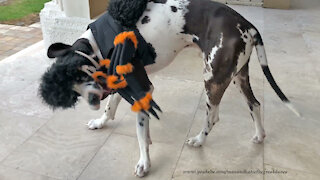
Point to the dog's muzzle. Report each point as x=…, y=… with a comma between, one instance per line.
x=94, y=99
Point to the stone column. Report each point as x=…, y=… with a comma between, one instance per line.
x=65, y=20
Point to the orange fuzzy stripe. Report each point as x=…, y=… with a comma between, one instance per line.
x=124, y=69
x=105, y=62
x=136, y=107
x=112, y=85
x=98, y=74
x=122, y=84
x=120, y=38
x=145, y=102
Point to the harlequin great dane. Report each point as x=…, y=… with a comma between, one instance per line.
x=226, y=40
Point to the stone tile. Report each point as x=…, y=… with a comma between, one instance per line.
x=291, y=43
x=15, y=130
x=7, y=38
x=7, y=173
x=229, y=138
x=276, y=173
x=178, y=100
x=241, y=154
x=36, y=25
x=2, y=56
x=294, y=77
x=122, y=152
x=4, y=26
x=63, y=147
x=26, y=29
x=16, y=36
x=9, y=52
x=7, y=47
x=19, y=85
x=292, y=142
x=3, y=30
x=279, y=20
x=18, y=49
x=312, y=40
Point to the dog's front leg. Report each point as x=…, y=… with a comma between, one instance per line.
x=109, y=112
x=144, y=164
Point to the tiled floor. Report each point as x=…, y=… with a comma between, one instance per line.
x=36, y=143
x=16, y=38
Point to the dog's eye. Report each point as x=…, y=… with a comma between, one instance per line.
x=89, y=84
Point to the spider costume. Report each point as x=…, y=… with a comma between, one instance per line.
x=125, y=54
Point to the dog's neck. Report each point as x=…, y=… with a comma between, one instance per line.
x=88, y=35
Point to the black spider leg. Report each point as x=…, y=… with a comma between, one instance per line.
x=138, y=93
x=114, y=59
x=135, y=90
x=124, y=94
x=155, y=105
x=134, y=94
x=127, y=52
x=126, y=56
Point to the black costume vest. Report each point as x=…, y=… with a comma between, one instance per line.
x=105, y=29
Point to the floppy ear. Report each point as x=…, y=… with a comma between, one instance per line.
x=58, y=49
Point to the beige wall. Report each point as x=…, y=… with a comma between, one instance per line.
x=97, y=7
x=280, y=4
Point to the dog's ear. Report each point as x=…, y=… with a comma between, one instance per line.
x=58, y=50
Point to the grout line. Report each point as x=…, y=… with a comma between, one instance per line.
x=98, y=150
x=27, y=139
x=263, y=117
x=135, y=137
x=30, y=172
x=165, y=77
x=193, y=119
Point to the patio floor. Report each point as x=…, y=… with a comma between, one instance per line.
x=36, y=143
x=15, y=38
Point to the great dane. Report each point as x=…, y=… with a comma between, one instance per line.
x=226, y=40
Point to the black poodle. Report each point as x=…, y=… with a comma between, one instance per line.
x=64, y=82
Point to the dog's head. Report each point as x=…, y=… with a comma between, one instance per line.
x=64, y=82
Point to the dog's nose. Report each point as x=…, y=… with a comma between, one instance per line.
x=93, y=99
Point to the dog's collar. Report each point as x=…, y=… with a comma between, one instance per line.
x=86, y=68
x=97, y=66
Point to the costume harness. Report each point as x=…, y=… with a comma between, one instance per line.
x=125, y=54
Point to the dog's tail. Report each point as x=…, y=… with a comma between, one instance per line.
x=264, y=65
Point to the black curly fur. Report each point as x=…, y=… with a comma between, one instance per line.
x=127, y=12
x=56, y=88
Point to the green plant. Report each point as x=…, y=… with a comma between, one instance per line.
x=20, y=8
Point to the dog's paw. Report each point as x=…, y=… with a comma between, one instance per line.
x=196, y=141
x=258, y=138
x=142, y=168
x=96, y=124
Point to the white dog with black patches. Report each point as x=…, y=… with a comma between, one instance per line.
x=226, y=40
